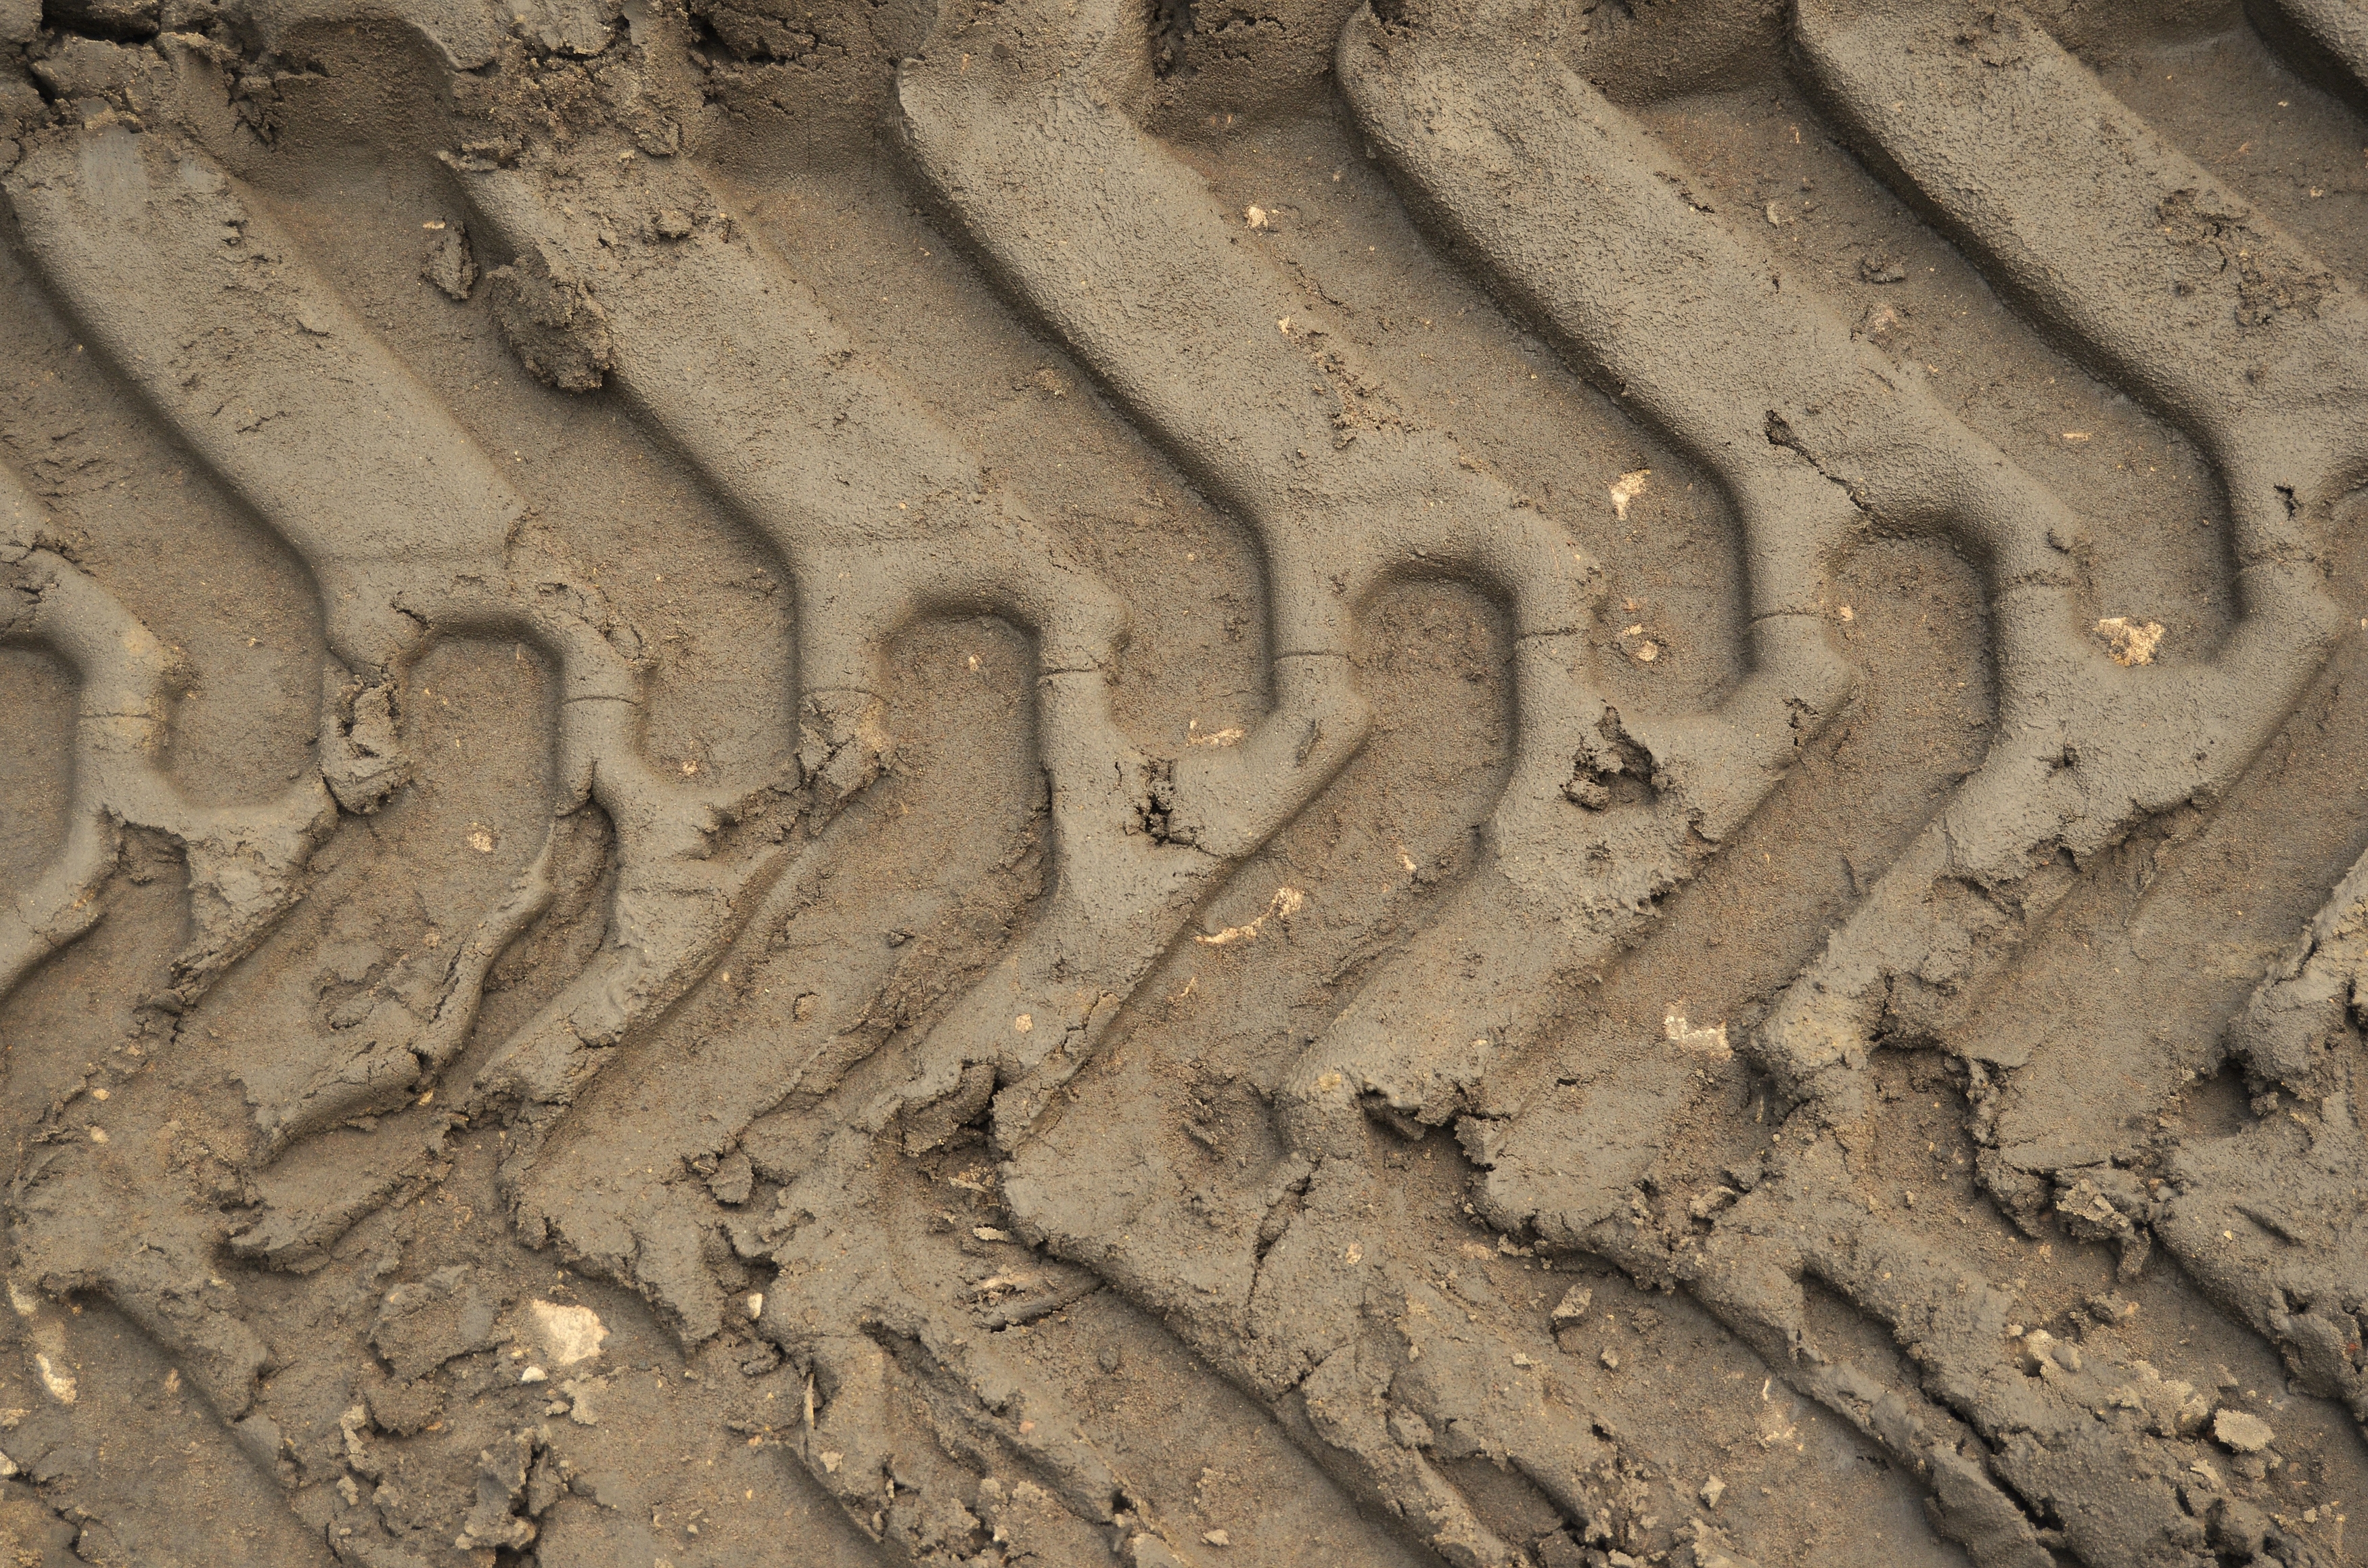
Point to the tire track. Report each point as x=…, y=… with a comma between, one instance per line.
x=406, y=527
x=871, y=1166
x=1034, y=201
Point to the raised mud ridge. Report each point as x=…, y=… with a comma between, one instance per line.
x=1066, y=782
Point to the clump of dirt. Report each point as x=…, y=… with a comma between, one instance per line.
x=550, y=320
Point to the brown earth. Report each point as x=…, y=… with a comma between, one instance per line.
x=1058, y=782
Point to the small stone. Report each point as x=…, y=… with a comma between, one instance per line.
x=1573, y=1306
x=2241, y=1431
x=1611, y=1361
x=752, y=1303
x=673, y=223
x=989, y=1234
x=1711, y=1491
x=533, y=1375
x=1218, y=1537
x=1110, y=1359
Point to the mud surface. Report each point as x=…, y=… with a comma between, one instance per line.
x=1069, y=782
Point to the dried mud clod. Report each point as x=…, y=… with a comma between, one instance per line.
x=450, y=265
x=550, y=321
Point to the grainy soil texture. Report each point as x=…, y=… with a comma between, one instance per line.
x=1131, y=783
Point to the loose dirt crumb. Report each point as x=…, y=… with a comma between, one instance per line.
x=1709, y=1040
x=449, y=265
x=569, y=1334
x=551, y=322
x=2240, y=1431
x=57, y=1379
x=1626, y=488
x=1286, y=902
x=2130, y=641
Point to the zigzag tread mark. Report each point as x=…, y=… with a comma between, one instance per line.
x=874, y=1212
